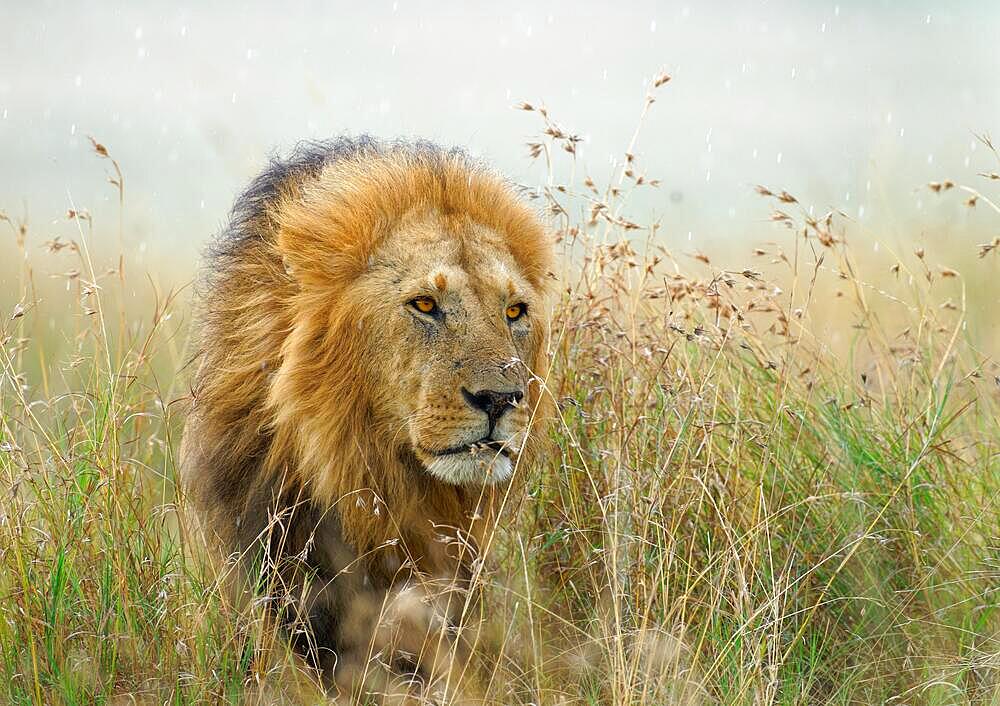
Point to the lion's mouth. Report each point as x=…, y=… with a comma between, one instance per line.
x=498, y=447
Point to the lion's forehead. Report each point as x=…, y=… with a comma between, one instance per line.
x=468, y=259
x=491, y=279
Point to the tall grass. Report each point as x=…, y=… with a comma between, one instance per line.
x=735, y=509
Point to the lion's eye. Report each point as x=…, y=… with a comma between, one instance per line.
x=425, y=305
x=516, y=311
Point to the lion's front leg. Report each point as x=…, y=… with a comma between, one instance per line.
x=409, y=641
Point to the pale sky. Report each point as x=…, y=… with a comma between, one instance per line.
x=853, y=104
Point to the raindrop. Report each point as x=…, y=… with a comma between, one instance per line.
x=78, y=81
x=652, y=26
x=138, y=32
x=778, y=159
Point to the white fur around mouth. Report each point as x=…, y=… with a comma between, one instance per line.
x=484, y=466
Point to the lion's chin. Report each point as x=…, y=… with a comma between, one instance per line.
x=471, y=469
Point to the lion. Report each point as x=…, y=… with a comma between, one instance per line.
x=372, y=332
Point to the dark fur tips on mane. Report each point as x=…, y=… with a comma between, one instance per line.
x=308, y=158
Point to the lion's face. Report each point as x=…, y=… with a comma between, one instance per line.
x=453, y=334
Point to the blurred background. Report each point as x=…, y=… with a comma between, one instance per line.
x=850, y=104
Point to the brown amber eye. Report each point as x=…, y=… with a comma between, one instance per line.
x=515, y=311
x=426, y=305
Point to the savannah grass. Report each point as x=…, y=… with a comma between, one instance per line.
x=734, y=509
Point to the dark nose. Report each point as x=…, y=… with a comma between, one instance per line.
x=492, y=402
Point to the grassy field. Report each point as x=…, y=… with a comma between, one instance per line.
x=773, y=478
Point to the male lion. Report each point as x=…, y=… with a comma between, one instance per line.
x=372, y=333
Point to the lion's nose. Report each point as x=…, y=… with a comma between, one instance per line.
x=492, y=402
